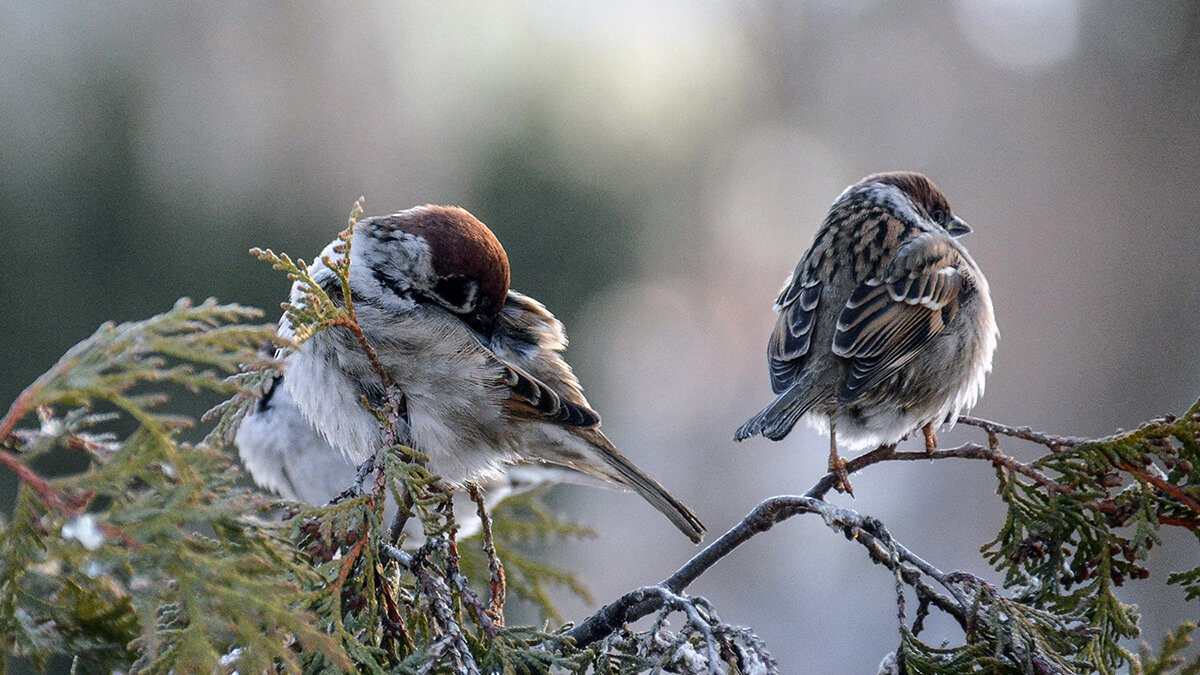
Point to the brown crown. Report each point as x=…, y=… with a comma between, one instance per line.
x=919, y=189
x=460, y=245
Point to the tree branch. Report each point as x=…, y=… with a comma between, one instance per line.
x=1055, y=443
x=1162, y=485
x=495, y=567
x=976, y=451
x=870, y=532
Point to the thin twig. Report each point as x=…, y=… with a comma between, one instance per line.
x=50, y=497
x=351, y=558
x=395, y=554
x=437, y=592
x=21, y=407
x=351, y=324
x=403, y=513
x=1161, y=484
x=887, y=453
x=351, y=320
x=495, y=567
x=454, y=573
x=397, y=434
x=766, y=515
x=1192, y=524
x=1055, y=443
x=976, y=451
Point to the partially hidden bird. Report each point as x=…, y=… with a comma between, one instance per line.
x=287, y=456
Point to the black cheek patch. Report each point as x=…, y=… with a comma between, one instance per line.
x=457, y=292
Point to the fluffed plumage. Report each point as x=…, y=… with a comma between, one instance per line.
x=480, y=366
x=885, y=326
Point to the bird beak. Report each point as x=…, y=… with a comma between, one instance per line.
x=958, y=227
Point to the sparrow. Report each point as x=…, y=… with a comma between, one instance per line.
x=480, y=365
x=885, y=326
x=286, y=455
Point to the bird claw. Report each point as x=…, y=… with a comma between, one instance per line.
x=931, y=441
x=837, y=466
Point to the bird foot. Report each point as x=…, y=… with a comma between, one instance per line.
x=931, y=441
x=837, y=466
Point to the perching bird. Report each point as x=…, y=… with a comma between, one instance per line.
x=885, y=326
x=481, y=367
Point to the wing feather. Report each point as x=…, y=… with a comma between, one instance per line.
x=533, y=399
x=888, y=320
x=541, y=386
x=792, y=337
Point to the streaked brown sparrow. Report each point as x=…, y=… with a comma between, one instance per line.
x=481, y=366
x=885, y=326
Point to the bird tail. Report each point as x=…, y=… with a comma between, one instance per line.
x=777, y=419
x=618, y=469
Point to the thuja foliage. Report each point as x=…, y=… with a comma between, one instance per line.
x=159, y=556
x=1081, y=522
x=153, y=558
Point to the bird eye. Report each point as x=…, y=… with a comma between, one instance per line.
x=939, y=217
x=456, y=292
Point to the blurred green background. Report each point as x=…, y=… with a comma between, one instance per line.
x=654, y=170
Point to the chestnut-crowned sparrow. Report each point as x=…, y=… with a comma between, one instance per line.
x=481, y=367
x=885, y=326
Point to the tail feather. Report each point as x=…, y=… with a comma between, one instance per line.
x=618, y=469
x=777, y=419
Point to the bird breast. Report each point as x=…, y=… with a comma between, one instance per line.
x=455, y=393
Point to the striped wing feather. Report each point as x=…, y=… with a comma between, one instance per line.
x=888, y=320
x=792, y=337
x=541, y=385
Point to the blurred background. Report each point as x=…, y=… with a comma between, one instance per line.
x=654, y=169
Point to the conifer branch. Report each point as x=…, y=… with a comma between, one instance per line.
x=495, y=567
x=1161, y=484
x=868, y=531
x=1051, y=441
x=1039, y=639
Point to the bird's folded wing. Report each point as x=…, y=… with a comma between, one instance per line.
x=792, y=336
x=527, y=350
x=531, y=398
x=888, y=319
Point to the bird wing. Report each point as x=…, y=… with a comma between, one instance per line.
x=790, y=341
x=531, y=398
x=888, y=319
x=527, y=344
